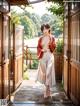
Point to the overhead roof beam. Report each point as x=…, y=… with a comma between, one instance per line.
x=18, y=2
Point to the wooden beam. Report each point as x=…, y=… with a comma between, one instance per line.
x=18, y=2
x=69, y=50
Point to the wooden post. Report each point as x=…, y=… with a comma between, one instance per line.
x=26, y=54
x=2, y=67
x=69, y=48
x=9, y=53
x=23, y=54
x=30, y=61
x=13, y=56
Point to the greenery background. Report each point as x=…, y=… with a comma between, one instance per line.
x=32, y=22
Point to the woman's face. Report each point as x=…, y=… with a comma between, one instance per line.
x=45, y=31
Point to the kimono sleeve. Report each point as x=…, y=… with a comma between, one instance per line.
x=52, y=45
x=39, y=49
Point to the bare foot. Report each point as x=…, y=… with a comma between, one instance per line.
x=47, y=92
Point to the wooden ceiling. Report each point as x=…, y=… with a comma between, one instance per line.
x=18, y=2
x=24, y=2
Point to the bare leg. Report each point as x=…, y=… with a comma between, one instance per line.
x=43, y=69
x=47, y=91
x=48, y=78
x=46, y=69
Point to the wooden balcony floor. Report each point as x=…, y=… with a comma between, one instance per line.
x=31, y=94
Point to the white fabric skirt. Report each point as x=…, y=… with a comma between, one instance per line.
x=46, y=70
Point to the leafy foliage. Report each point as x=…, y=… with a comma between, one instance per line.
x=57, y=7
x=35, y=64
x=45, y=19
x=26, y=75
x=58, y=10
x=15, y=18
x=32, y=22
x=55, y=22
x=28, y=26
x=59, y=48
x=57, y=1
x=37, y=20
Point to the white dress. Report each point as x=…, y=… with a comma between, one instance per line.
x=46, y=71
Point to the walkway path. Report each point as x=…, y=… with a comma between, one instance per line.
x=31, y=94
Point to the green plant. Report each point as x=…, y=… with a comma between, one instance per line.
x=25, y=67
x=59, y=47
x=25, y=76
x=35, y=64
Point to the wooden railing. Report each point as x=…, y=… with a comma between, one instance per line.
x=30, y=56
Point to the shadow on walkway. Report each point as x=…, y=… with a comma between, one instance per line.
x=31, y=94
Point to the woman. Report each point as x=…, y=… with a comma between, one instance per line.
x=45, y=49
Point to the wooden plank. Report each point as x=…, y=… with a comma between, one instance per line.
x=75, y=83
x=65, y=73
x=0, y=55
x=18, y=71
x=13, y=57
x=18, y=2
x=2, y=68
x=6, y=82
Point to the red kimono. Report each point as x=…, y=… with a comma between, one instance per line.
x=52, y=46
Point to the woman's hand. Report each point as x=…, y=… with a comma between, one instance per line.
x=43, y=50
